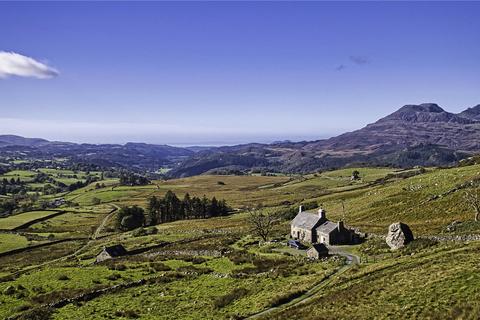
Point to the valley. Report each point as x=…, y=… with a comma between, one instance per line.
x=217, y=268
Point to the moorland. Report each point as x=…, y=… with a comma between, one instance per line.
x=58, y=217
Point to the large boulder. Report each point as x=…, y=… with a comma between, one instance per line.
x=399, y=234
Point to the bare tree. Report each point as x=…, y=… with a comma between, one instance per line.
x=262, y=222
x=472, y=197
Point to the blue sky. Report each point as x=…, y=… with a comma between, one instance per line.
x=231, y=72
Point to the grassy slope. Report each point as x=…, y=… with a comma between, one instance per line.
x=441, y=283
x=407, y=200
x=17, y=220
x=370, y=207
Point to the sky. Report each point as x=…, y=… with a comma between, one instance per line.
x=214, y=73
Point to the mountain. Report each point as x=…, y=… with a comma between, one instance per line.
x=409, y=126
x=422, y=134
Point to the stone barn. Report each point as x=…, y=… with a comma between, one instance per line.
x=316, y=228
x=317, y=251
x=111, y=252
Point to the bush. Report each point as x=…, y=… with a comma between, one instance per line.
x=194, y=260
x=63, y=277
x=159, y=266
x=129, y=218
x=132, y=314
x=114, y=276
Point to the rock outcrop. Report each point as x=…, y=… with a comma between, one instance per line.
x=399, y=234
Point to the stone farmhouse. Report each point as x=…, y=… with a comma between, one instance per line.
x=316, y=228
x=111, y=252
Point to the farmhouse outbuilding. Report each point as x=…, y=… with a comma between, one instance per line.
x=317, y=251
x=111, y=252
x=316, y=228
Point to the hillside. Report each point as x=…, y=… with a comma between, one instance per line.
x=216, y=269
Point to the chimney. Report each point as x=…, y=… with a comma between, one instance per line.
x=322, y=214
x=340, y=226
x=300, y=209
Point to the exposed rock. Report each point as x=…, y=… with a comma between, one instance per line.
x=399, y=234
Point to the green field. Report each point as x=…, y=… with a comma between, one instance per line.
x=12, y=241
x=17, y=220
x=23, y=175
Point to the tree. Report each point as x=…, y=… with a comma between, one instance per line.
x=262, y=222
x=129, y=218
x=472, y=197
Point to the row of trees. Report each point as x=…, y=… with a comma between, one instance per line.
x=132, y=179
x=171, y=208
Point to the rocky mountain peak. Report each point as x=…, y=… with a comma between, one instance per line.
x=423, y=113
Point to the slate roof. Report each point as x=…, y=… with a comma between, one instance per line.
x=327, y=227
x=306, y=220
x=319, y=247
x=116, y=250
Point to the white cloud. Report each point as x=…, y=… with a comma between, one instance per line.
x=14, y=64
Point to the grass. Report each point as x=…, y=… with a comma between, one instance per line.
x=71, y=223
x=407, y=200
x=23, y=175
x=215, y=269
x=15, y=221
x=10, y=241
x=440, y=283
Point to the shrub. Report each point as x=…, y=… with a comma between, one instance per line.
x=63, y=277
x=159, y=266
x=113, y=277
x=129, y=218
x=194, y=260
x=132, y=314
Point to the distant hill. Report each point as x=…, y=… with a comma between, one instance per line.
x=422, y=134
x=12, y=140
x=136, y=156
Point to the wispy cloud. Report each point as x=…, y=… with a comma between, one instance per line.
x=340, y=67
x=359, y=60
x=14, y=64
